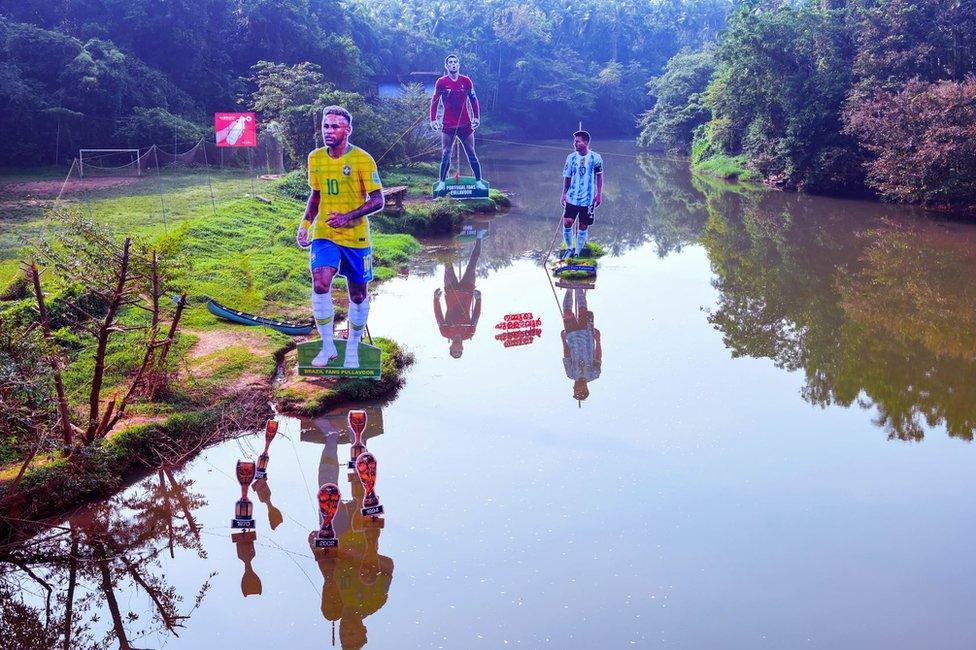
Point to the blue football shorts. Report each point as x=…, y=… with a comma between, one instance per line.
x=354, y=264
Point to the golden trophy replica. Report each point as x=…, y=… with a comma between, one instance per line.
x=357, y=422
x=366, y=468
x=244, y=509
x=270, y=431
x=328, y=505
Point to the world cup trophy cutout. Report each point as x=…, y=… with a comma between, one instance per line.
x=357, y=422
x=244, y=509
x=366, y=468
x=270, y=431
x=328, y=506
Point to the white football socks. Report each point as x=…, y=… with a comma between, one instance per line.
x=358, y=313
x=324, y=312
x=581, y=241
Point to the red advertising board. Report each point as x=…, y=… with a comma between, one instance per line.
x=236, y=129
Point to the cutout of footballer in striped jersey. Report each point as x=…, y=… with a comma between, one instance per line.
x=582, y=192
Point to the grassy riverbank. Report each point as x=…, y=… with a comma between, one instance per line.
x=731, y=168
x=240, y=250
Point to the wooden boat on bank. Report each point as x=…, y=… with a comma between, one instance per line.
x=244, y=318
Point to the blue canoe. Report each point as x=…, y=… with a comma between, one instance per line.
x=243, y=318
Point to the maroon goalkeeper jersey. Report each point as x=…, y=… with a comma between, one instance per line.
x=455, y=95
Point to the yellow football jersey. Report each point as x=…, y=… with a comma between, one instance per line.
x=344, y=184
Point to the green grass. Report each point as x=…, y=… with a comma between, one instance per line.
x=591, y=252
x=134, y=208
x=236, y=249
x=123, y=356
x=419, y=217
x=243, y=253
x=22, y=175
x=395, y=363
x=727, y=167
x=9, y=269
x=245, y=256
x=417, y=177
x=104, y=466
x=577, y=275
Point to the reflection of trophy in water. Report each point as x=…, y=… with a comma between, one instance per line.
x=328, y=505
x=357, y=422
x=263, y=490
x=269, y=433
x=244, y=509
x=366, y=468
x=250, y=582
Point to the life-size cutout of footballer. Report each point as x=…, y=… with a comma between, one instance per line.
x=462, y=115
x=582, y=192
x=345, y=189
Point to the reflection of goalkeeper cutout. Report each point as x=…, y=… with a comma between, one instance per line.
x=458, y=319
x=582, y=350
x=456, y=113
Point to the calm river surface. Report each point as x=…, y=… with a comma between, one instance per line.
x=774, y=451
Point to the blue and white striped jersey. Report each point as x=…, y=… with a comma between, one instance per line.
x=583, y=171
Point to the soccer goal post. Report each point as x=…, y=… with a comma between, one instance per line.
x=108, y=160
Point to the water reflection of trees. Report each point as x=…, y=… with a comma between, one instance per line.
x=876, y=311
x=675, y=210
x=646, y=197
x=55, y=586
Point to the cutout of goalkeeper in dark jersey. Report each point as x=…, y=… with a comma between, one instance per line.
x=462, y=115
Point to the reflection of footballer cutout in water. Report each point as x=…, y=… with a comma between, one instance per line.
x=461, y=116
x=582, y=350
x=462, y=302
x=250, y=581
x=582, y=192
x=356, y=578
x=345, y=189
x=263, y=490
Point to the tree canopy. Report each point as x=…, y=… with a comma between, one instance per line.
x=821, y=95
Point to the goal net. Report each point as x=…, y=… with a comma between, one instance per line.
x=109, y=162
x=161, y=185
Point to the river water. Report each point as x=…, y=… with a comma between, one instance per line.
x=769, y=449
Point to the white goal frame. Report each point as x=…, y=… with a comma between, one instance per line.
x=81, y=159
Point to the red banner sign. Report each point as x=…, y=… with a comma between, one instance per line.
x=236, y=129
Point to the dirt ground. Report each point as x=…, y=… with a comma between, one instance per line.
x=50, y=189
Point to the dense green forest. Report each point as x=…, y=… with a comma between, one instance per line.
x=828, y=96
x=835, y=96
x=112, y=73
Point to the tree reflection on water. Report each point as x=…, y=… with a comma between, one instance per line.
x=876, y=308
x=56, y=586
